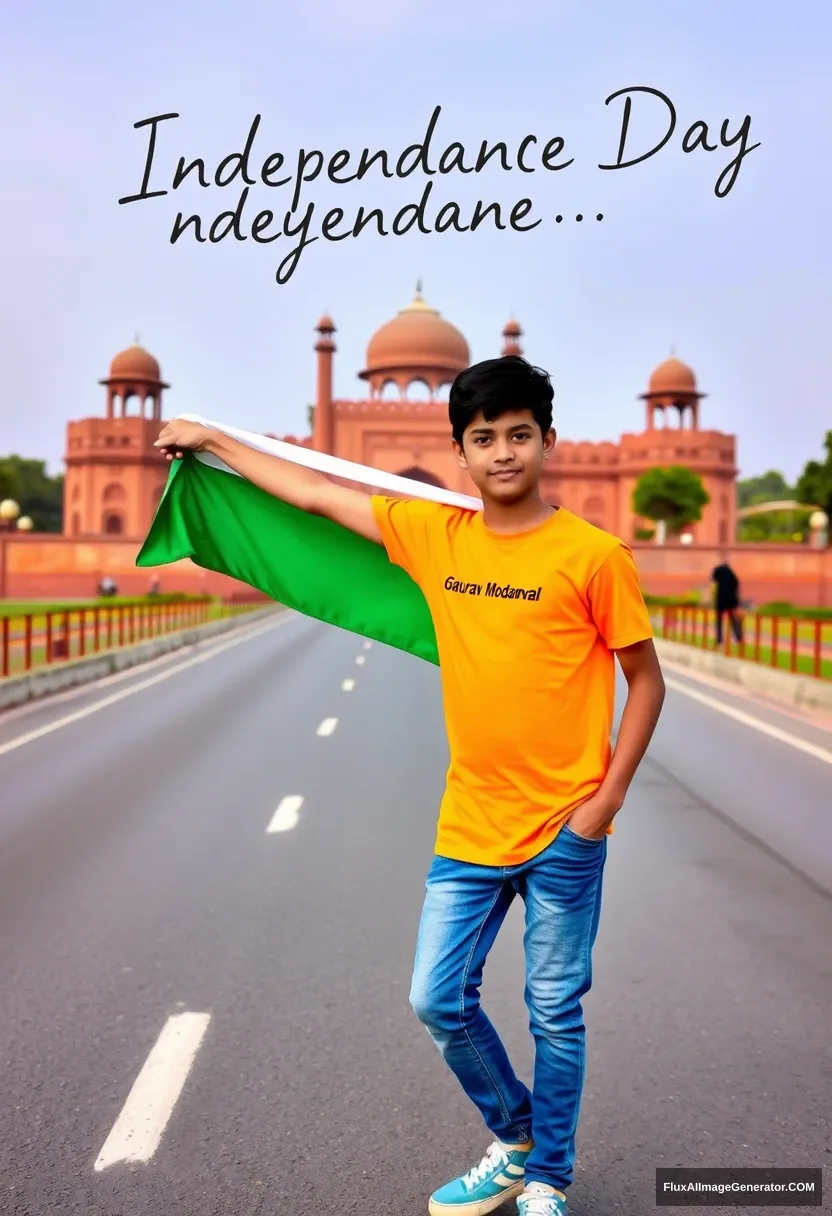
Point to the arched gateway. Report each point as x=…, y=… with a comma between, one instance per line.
x=417, y=474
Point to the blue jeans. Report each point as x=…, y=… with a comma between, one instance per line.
x=464, y=908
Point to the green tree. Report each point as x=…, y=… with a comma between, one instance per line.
x=38, y=495
x=675, y=496
x=770, y=487
x=815, y=482
x=782, y=526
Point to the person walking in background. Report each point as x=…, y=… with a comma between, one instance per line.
x=726, y=599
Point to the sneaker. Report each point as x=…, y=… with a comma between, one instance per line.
x=538, y=1199
x=498, y=1177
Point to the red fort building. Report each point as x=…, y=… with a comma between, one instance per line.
x=400, y=424
x=114, y=476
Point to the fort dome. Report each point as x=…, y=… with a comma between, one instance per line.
x=135, y=363
x=672, y=376
x=417, y=338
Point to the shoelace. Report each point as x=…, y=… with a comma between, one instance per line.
x=496, y=1157
x=541, y=1204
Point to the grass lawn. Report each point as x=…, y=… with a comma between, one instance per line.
x=805, y=661
x=39, y=608
x=24, y=607
x=783, y=625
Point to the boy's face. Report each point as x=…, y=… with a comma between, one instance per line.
x=504, y=458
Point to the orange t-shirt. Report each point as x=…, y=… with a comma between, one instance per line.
x=526, y=626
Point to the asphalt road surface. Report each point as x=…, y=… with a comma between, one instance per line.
x=211, y=872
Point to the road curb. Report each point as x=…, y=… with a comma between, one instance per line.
x=44, y=681
x=803, y=692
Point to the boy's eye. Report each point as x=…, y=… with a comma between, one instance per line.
x=481, y=439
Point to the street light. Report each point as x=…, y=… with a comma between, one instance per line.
x=818, y=523
x=25, y=524
x=9, y=511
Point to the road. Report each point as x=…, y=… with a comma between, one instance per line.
x=139, y=882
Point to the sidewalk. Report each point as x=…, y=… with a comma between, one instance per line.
x=783, y=687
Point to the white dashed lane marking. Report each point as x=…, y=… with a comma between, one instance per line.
x=139, y=1128
x=286, y=815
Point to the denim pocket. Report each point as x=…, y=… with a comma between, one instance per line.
x=583, y=839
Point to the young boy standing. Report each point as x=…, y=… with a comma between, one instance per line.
x=530, y=606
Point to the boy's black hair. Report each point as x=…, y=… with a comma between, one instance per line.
x=497, y=386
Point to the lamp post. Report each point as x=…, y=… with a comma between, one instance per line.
x=819, y=525
x=9, y=511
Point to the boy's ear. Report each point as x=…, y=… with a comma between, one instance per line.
x=549, y=441
x=460, y=454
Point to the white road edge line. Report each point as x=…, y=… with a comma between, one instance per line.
x=765, y=728
x=327, y=726
x=138, y=1129
x=360, y=660
x=26, y=708
x=39, y=733
x=348, y=685
x=286, y=815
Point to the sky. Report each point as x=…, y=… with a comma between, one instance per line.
x=738, y=286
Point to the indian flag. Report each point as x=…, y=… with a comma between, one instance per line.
x=223, y=522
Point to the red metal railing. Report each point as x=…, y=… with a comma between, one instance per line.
x=796, y=644
x=34, y=639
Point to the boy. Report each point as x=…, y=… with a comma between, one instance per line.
x=530, y=606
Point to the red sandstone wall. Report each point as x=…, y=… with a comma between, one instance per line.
x=40, y=567
x=46, y=567
x=793, y=573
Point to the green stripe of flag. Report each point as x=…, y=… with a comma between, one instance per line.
x=224, y=523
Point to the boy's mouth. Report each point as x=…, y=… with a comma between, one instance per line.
x=505, y=474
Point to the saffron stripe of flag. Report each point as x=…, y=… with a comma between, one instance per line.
x=222, y=522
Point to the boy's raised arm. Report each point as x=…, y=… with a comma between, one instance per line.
x=301, y=487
